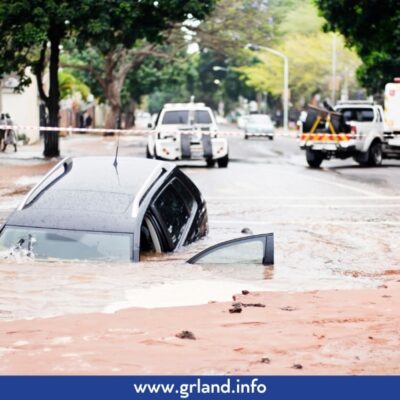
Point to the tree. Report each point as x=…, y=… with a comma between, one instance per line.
x=234, y=23
x=372, y=27
x=30, y=29
x=123, y=33
x=310, y=62
x=33, y=32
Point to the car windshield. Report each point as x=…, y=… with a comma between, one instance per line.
x=65, y=244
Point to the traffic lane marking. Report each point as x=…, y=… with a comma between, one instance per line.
x=335, y=206
x=301, y=222
x=333, y=198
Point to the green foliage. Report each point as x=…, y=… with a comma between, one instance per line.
x=108, y=24
x=301, y=19
x=24, y=26
x=310, y=59
x=234, y=23
x=69, y=85
x=372, y=27
x=83, y=58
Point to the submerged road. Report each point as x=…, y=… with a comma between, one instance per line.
x=336, y=227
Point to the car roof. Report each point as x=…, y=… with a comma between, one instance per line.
x=250, y=116
x=90, y=193
x=184, y=106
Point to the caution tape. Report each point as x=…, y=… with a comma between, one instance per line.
x=134, y=131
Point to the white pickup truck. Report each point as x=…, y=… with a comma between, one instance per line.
x=353, y=129
x=391, y=146
x=187, y=131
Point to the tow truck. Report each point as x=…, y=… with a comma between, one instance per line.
x=351, y=129
x=187, y=131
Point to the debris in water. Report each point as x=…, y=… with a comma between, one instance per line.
x=288, y=308
x=297, y=366
x=265, y=360
x=382, y=287
x=252, y=304
x=236, y=308
x=247, y=231
x=186, y=335
x=245, y=292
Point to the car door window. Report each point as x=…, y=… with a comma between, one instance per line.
x=174, y=207
x=256, y=249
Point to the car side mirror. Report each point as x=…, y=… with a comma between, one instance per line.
x=150, y=125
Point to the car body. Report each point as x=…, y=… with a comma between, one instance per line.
x=259, y=125
x=91, y=208
x=187, y=131
x=241, y=121
x=104, y=209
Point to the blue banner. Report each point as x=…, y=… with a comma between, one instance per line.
x=198, y=387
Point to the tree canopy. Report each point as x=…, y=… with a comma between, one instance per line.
x=33, y=32
x=372, y=27
x=310, y=58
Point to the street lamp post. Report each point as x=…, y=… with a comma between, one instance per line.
x=255, y=47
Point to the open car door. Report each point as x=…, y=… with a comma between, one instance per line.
x=254, y=249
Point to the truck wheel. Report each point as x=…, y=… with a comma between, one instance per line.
x=210, y=162
x=314, y=158
x=246, y=136
x=223, y=162
x=375, y=154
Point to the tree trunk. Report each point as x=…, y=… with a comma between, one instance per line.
x=51, y=138
x=113, y=95
x=130, y=115
x=112, y=117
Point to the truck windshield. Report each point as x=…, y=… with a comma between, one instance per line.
x=181, y=117
x=176, y=117
x=202, y=117
x=65, y=244
x=357, y=114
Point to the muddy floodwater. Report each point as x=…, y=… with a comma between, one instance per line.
x=334, y=229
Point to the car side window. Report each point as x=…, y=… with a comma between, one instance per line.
x=174, y=206
x=255, y=249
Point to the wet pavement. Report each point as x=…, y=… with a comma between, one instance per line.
x=337, y=227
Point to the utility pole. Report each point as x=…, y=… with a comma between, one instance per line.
x=334, y=66
x=1, y=95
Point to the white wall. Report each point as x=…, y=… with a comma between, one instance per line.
x=23, y=108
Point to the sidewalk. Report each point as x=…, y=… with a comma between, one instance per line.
x=80, y=145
